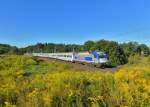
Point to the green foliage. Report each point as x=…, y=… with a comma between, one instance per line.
x=118, y=53
x=135, y=59
x=148, y=58
x=117, y=57
x=88, y=45
x=7, y=49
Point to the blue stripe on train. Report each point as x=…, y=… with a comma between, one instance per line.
x=96, y=55
x=88, y=58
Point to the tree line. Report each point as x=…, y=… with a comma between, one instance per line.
x=118, y=52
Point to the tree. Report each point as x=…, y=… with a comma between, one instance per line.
x=145, y=50
x=88, y=45
x=130, y=48
x=117, y=56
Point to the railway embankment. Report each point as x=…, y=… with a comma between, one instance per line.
x=80, y=66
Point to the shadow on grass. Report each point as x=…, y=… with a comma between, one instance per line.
x=109, y=65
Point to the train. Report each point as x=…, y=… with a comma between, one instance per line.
x=95, y=58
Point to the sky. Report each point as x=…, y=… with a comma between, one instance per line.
x=26, y=22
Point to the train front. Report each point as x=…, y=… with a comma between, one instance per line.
x=101, y=58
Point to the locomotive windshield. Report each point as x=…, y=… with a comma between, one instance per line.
x=102, y=55
x=99, y=55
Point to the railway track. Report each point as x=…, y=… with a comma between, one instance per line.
x=81, y=66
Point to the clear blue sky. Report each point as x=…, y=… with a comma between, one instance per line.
x=25, y=22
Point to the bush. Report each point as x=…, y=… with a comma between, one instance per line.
x=148, y=58
x=134, y=59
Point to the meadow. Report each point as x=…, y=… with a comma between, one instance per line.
x=28, y=82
